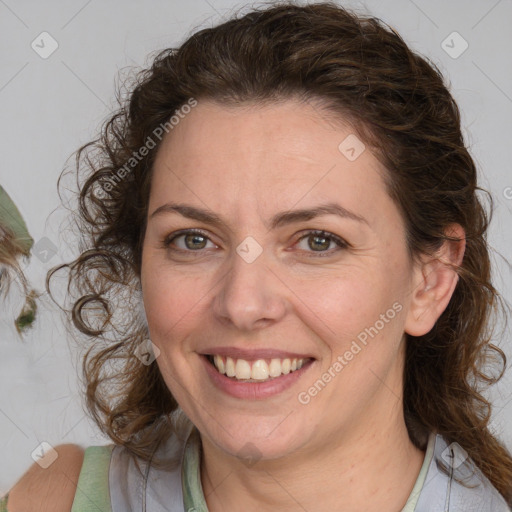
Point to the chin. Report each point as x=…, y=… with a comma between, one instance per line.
x=265, y=440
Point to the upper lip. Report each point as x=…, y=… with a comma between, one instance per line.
x=253, y=354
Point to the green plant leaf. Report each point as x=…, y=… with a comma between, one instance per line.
x=15, y=241
x=12, y=221
x=28, y=313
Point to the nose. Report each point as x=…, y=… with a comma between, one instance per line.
x=251, y=295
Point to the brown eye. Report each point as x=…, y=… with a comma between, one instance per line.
x=318, y=243
x=193, y=241
x=187, y=241
x=321, y=241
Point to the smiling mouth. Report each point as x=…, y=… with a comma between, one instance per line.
x=259, y=370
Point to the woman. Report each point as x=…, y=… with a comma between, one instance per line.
x=292, y=197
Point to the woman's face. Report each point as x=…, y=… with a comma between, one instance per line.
x=259, y=287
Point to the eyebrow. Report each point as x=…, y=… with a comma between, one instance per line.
x=278, y=220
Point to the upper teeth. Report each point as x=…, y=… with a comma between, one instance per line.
x=257, y=370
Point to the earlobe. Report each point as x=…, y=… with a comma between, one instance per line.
x=435, y=279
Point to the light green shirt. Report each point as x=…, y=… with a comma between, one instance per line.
x=93, y=494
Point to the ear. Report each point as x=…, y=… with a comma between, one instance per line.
x=434, y=283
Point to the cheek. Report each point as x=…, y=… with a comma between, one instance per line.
x=358, y=314
x=359, y=320
x=171, y=301
x=345, y=300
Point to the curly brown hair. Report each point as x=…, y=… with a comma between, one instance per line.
x=397, y=102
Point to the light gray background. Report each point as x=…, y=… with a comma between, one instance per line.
x=49, y=107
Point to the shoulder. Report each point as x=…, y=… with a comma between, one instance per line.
x=51, y=487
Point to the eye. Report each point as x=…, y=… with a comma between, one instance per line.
x=316, y=241
x=320, y=241
x=191, y=240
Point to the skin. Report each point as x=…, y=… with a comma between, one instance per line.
x=50, y=489
x=348, y=448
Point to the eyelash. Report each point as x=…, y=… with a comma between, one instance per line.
x=342, y=244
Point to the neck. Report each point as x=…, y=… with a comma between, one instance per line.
x=372, y=468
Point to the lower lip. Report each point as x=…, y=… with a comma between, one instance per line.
x=253, y=390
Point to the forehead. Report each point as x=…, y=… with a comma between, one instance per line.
x=257, y=154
